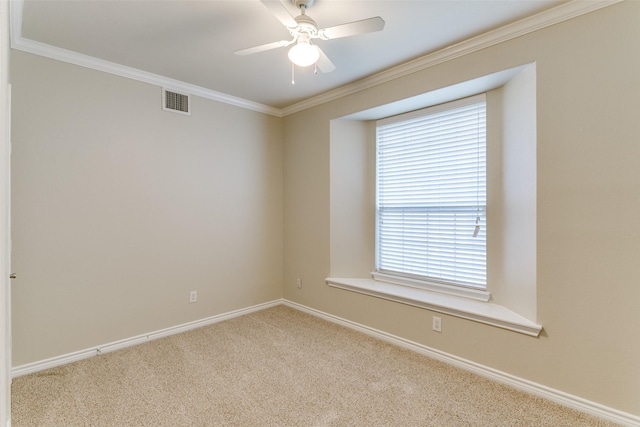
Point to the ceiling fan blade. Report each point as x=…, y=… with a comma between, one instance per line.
x=352, y=28
x=324, y=64
x=263, y=47
x=279, y=11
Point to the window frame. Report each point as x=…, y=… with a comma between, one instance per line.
x=439, y=284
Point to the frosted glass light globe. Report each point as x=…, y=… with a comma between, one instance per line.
x=304, y=54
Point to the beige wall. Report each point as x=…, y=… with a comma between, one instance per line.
x=588, y=209
x=120, y=209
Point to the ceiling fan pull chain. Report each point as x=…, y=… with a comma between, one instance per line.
x=293, y=75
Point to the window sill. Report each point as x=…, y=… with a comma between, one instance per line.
x=478, y=311
x=459, y=291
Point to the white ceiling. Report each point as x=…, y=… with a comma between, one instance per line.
x=193, y=41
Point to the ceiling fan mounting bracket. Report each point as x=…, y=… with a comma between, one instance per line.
x=306, y=3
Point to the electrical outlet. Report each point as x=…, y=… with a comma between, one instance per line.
x=299, y=283
x=437, y=324
x=193, y=296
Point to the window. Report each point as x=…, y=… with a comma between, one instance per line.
x=509, y=297
x=431, y=194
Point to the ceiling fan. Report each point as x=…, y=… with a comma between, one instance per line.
x=303, y=30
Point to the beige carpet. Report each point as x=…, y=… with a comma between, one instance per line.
x=277, y=367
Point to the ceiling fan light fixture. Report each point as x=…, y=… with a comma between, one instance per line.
x=303, y=30
x=304, y=54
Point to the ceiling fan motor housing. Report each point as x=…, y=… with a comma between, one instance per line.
x=306, y=25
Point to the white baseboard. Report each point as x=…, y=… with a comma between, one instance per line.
x=41, y=365
x=557, y=396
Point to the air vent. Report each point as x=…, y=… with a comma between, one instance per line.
x=176, y=102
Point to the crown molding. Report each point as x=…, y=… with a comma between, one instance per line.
x=30, y=46
x=558, y=14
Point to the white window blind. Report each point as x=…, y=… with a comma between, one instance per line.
x=431, y=194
